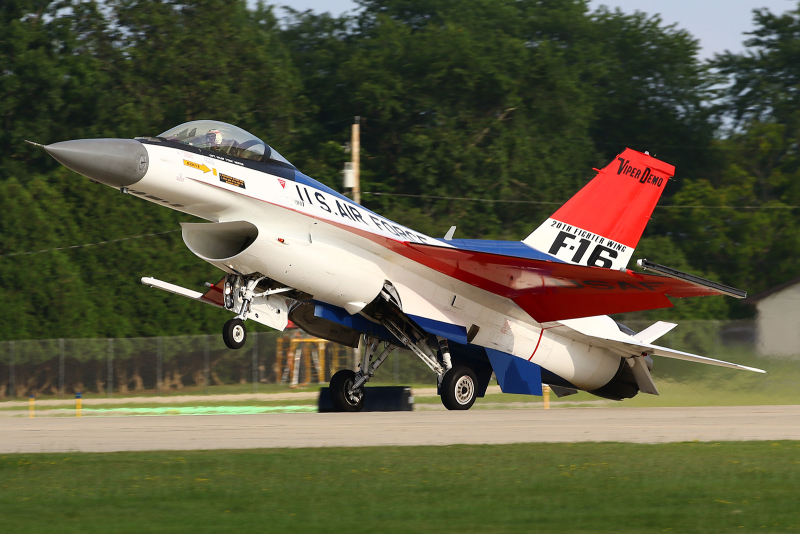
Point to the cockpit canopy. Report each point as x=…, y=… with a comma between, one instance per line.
x=223, y=138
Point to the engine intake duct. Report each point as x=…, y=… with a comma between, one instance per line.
x=219, y=241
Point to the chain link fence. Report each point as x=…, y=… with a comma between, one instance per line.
x=169, y=364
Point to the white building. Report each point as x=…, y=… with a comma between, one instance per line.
x=778, y=321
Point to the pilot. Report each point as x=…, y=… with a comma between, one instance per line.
x=214, y=139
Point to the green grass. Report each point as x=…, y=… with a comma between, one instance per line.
x=192, y=404
x=228, y=389
x=589, y=487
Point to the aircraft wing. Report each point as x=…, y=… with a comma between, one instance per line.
x=551, y=290
x=213, y=296
x=270, y=311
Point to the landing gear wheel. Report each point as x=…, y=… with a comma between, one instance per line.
x=342, y=401
x=234, y=334
x=459, y=388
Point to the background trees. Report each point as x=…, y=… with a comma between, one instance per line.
x=491, y=100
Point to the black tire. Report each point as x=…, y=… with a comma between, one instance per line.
x=342, y=402
x=459, y=388
x=234, y=334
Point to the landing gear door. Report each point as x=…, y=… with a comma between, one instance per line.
x=271, y=311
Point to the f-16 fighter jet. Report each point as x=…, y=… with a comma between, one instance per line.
x=532, y=312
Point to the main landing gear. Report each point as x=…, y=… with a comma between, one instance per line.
x=458, y=385
x=344, y=396
x=347, y=387
x=458, y=388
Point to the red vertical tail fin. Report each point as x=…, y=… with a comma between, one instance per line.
x=601, y=225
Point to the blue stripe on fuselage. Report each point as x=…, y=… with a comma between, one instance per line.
x=517, y=249
x=450, y=331
x=338, y=315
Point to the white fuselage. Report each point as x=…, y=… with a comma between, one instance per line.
x=341, y=253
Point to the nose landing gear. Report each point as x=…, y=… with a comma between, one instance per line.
x=240, y=292
x=234, y=334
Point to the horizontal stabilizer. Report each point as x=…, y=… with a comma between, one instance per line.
x=686, y=356
x=655, y=331
x=602, y=331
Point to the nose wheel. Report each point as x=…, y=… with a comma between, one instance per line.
x=234, y=334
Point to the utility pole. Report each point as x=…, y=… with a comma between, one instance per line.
x=355, y=145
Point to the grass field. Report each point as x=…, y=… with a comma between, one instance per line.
x=590, y=487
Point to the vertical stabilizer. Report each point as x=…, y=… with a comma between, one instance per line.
x=601, y=225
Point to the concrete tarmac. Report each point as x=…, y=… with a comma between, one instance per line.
x=636, y=425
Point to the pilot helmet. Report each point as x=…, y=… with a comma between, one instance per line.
x=214, y=137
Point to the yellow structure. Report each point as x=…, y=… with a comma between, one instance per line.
x=546, y=396
x=310, y=354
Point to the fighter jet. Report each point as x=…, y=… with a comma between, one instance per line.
x=531, y=312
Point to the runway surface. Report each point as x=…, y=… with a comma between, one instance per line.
x=638, y=425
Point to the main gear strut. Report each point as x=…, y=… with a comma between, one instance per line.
x=347, y=387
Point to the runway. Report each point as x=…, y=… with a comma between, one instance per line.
x=636, y=425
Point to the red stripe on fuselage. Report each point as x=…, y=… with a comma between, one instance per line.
x=541, y=333
x=547, y=291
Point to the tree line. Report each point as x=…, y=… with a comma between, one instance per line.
x=466, y=105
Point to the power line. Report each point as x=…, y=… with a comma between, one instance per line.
x=733, y=207
x=87, y=244
x=433, y=197
x=460, y=198
x=587, y=138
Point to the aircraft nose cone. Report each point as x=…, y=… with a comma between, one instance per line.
x=114, y=162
